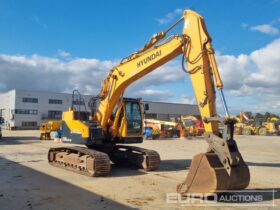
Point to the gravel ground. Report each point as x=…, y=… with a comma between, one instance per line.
x=27, y=181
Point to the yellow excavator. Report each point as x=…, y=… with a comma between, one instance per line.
x=115, y=120
x=161, y=129
x=191, y=125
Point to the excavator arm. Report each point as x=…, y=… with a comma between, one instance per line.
x=195, y=46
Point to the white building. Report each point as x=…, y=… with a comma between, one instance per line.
x=26, y=109
x=22, y=109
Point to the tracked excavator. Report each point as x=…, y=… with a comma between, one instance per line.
x=115, y=121
x=191, y=126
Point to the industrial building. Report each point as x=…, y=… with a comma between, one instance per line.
x=24, y=109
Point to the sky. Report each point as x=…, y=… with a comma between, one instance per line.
x=63, y=45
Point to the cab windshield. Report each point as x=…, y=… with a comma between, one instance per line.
x=133, y=117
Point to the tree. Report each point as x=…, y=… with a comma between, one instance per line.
x=267, y=115
x=249, y=114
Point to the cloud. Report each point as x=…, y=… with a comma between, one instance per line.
x=154, y=95
x=185, y=99
x=168, y=73
x=233, y=69
x=265, y=28
x=63, y=54
x=259, y=69
x=170, y=16
x=63, y=75
x=52, y=74
x=251, y=80
x=255, y=76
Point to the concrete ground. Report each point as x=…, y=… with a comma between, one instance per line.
x=27, y=181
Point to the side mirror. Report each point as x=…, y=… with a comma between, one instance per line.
x=147, y=107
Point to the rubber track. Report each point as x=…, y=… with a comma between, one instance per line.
x=102, y=164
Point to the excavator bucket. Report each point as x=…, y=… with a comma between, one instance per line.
x=208, y=175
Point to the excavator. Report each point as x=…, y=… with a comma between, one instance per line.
x=161, y=129
x=115, y=121
x=191, y=126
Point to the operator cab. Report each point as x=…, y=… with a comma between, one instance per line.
x=133, y=117
x=81, y=115
x=129, y=116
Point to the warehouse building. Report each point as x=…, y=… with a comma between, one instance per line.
x=22, y=109
x=167, y=111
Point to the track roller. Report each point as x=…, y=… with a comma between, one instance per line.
x=80, y=160
x=149, y=160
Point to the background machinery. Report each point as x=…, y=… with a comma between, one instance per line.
x=161, y=129
x=261, y=126
x=46, y=127
x=241, y=122
x=115, y=120
x=270, y=127
x=191, y=126
x=253, y=127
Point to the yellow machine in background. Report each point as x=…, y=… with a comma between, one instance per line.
x=261, y=127
x=46, y=127
x=273, y=119
x=276, y=122
x=238, y=126
x=270, y=127
x=161, y=129
x=191, y=126
x=257, y=129
x=115, y=120
x=241, y=122
x=250, y=130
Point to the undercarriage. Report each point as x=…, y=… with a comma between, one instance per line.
x=97, y=161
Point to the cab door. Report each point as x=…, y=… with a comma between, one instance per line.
x=133, y=117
